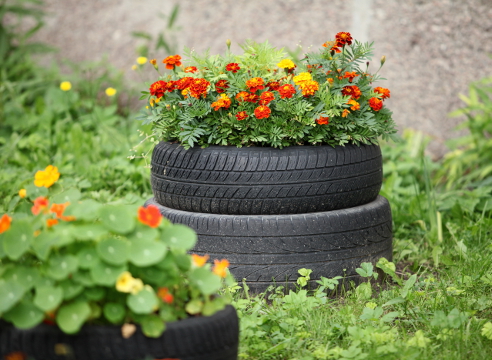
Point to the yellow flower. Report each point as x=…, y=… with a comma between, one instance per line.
x=110, y=91
x=304, y=76
x=125, y=282
x=198, y=260
x=65, y=85
x=46, y=177
x=286, y=64
x=134, y=67
x=137, y=286
x=22, y=193
x=141, y=60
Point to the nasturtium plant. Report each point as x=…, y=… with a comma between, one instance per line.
x=71, y=264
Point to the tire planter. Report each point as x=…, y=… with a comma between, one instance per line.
x=270, y=249
x=199, y=338
x=263, y=180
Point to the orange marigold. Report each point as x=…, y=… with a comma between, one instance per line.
x=220, y=267
x=5, y=221
x=375, y=104
x=350, y=75
x=198, y=260
x=351, y=90
x=354, y=104
x=149, y=215
x=385, y=93
x=286, y=91
x=198, y=87
x=164, y=294
x=158, y=88
x=323, y=120
x=222, y=102
x=262, y=112
x=255, y=84
x=332, y=45
x=172, y=61
x=234, y=67
x=190, y=69
x=221, y=86
x=266, y=98
x=241, y=115
x=309, y=87
x=345, y=113
x=40, y=205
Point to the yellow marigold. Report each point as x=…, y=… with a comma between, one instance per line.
x=286, y=64
x=111, y=91
x=141, y=60
x=65, y=85
x=46, y=177
x=309, y=87
x=22, y=193
x=304, y=76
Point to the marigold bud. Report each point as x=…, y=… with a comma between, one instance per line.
x=228, y=43
x=383, y=60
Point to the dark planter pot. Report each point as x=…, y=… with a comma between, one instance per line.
x=199, y=338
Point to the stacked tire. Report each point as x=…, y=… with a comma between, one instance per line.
x=271, y=212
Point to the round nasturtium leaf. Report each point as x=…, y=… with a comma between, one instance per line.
x=64, y=234
x=17, y=239
x=83, y=210
x=71, y=195
x=48, y=298
x=105, y=274
x=143, y=302
x=118, y=219
x=83, y=277
x=90, y=232
x=114, y=312
x=24, y=315
x=27, y=277
x=146, y=252
x=43, y=243
x=71, y=317
x=70, y=289
x=10, y=294
x=95, y=293
x=179, y=236
x=143, y=232
x=152, y=275
x=194, y=307
x=60, y=266
x=113, y=251
x=88, y=258
x=206, y=281
x=152, y=326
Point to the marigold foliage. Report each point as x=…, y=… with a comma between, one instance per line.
x=263, y=98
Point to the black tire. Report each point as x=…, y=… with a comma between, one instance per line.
x=270, y=249
x=268, y=181
x=199, y=338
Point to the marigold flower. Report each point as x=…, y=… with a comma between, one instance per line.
x=51, y=222
x=150, y=215
x=65, y=85
x=345, y=113
x=5, y=221
x=309, y=87
x=242, y=96
x=286, y=64
x=286, y=91
x=385, y=93
x=164, y=294
x=234, y=67
x=153, y=62
x=255, y=84
x=172, y=61
x=141, y=60
x=221, y=86
x=198, y=87
x=111, y=91
x=323, y=120
x=350, y=75
x=266, y=98
x=304, y=76
x=343, y=38
x=332, y=45
x=354, y=105
x=158, y=88
x=22, y=193
x=241, y=115
x=222, y=102
x=273, y=85
x=46, y=177
x=40, y=205
x=184, y=82
x=375, y=104
x=190, y=69
x=262, y=112
x=198, y=260
x=351, y=90
x=220, y=267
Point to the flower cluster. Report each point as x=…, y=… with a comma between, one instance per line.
x=264, y=98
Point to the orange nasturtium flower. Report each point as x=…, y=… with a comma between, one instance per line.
x=51, y=222
x=375, y=104
x=255, y=84
x=234, y=67
x=17, y=355
x=164, y=294
x=222, y=102
x=385, y=93
x=172, y=61
x=323, y=120
x=5, y=221
x=58, y=210
x=46, y=177
x=220, y=267
x=262, y=112
x=198, y=260
x=40, y=205
x=149, y=215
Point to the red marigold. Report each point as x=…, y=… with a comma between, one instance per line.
x=242, y=96
x=171, y=86
x=255, y=84
x=172, y=61
x=40, y=204
x=158, y=88
x=190, y=69
x=385, y=93
x=323, y=120
x=273, y=85
x=286, y=91
x=222, y=102
x=266, y=98
x=351, y=90
x=198, y=87
x=375, y=104
x=221, y=86
x=149, y=215
x=262, y=112
x=184, y=82
x=164, y=294
x=350, y=75
x=234, y=67
x=241, y=115
x=5, y=221
x=343, y=38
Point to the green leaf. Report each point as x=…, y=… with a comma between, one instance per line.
x=71, y=317
x=146, y=252
x=113, y=251
x=95, y=293
x=17, y=239
x=70, y=289
x=10, y=294
x=179, y=236
x=60, y=266
x=34, y=192
x=206, y=281
x=153, y=326
x=90, y=232
x=105, y=274
x=88, y=258
x=24, y=315
x=27, y=277
x=83, y=277
x=144, y=302
x=118, y=219
x=71, y=195
x=84, y=210
x=48, y=298
x=194, y=307
x=143, y=232
x=211, y=307
x=114, y=312
x=43, y=243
